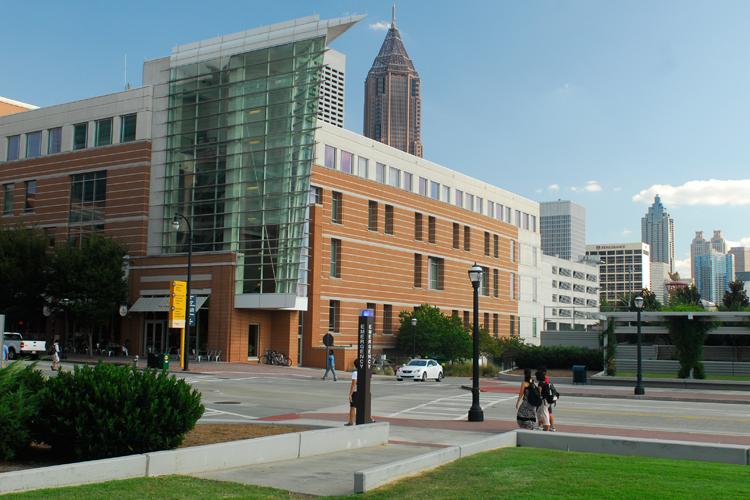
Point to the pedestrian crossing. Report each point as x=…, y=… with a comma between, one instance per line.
x=451, y=407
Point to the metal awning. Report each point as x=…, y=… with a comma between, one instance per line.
x=161, y=304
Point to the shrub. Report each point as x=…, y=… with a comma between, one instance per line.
x=19, y=406
x=558, y=357
x=465, y=368
x=611, y=352
x=688, y=337
x=110, y=410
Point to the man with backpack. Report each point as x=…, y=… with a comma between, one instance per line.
x=549, y=395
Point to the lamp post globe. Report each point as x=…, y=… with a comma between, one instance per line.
x=639, y=389
x=414, y=337
x=475, y=412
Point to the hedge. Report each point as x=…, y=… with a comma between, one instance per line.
x=560, y=357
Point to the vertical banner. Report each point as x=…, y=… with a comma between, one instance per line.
x=177, y=304
x=365, y=366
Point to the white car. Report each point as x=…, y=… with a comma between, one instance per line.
x=420, y=369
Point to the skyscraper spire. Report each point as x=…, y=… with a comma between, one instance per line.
x=393, y=16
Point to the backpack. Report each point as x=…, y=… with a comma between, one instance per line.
x=549, y=393
x=532, y=395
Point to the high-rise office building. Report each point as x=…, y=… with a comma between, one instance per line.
x=657, y=229
x=741, y=259
x=699, y=246
x=714, y=272
x=563, y=229
x=624, y=268
x=331, y=94
x=718, y=243
x=393, y=112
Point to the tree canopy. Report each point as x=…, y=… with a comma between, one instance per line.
x=434, y=336
x=735, y=298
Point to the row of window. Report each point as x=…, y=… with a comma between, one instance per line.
x=88, y=193
x=102, y=137
x=345, y=161
x=566, y=299
x=386, y=316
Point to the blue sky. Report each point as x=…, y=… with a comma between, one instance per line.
x=598, y=102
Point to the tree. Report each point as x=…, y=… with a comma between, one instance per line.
x=685, y=296
x=88, y=282
x=435, y=335
x=24, y=269
x=735, y=298
x=650, y=302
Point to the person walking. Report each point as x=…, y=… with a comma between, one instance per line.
x=56, y=355
x=330, y=365
x=6, y=352
x=353, y=395
x=552, y=397
x=525, y=409
x=542, y=411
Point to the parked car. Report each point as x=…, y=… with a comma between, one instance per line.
x=18, y=346
x=421, y=369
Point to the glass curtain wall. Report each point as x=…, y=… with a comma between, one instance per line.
x=239, y=157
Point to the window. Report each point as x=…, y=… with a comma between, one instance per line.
x=467, y=238
x=486, y=243
x=479, y=205
x=518, y=218
x=456, y=235
x=334, y=310
x=347, y=160
x=372, y=215
x=373, y=307
x=330, y=157
x=8, y=198
x=512, y=326
x=30, y=202
x=54, y=140
x=434, y=190
x=34, y=144
x=363, y=167
x=533, y=327
x=454, y=313
x=533, y=229
x=496, y=245
x=446, y=194
x=525, y=221
x=408, y=182
x=14, y=147
x=495, y=282
x=80, y=135
x=335, y=258
x=431, y=229
x=512, y=286
x=495, y=321
x=459, y=198
x=436, y=272
x=485, y=281
x=499, y=211
x=88, y=193
x=103, y=132
x=486, y=324
x=387, y=319
x=490, y=209
x=423, y=186
x=417, y=270
x=127, y=127
x=317, y=193
x=467, y=323
x=380, y=173
x=394, y=177
x=469, y=202
x=507, y=215
x=389, y=219
x=418, y=226
x=337, y=207
x=512, y=251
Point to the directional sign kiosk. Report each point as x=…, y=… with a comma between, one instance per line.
x=177, y=310
x=364, y=372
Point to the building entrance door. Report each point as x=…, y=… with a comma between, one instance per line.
x=253, y=337
x=155, y=335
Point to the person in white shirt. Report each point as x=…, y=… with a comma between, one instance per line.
x=353, y=395
x=55, y=355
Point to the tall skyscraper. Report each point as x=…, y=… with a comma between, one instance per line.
x=657, y=229
x=563, y=229
x=331, y=94
x=741, y=259
x=718, y=243
x=393, y=106
x=714, y=272
x=623, y=269
x=699, y=246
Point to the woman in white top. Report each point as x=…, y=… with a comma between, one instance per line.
x=353, y=394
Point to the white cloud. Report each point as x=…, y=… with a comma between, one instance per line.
x=553, y=187
x=683, y=267
x=711, y=192
x=617, y=189
x=380, y=26
x=592, y=187
x=626, y=232
x=573, y=188
x=744, y=242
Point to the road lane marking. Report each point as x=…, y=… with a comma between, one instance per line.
x=246, y=417
x=488, y=406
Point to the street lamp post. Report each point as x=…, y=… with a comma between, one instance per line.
x=639, y=390
x=475, y=412
x=414, y=337
x=176, y=226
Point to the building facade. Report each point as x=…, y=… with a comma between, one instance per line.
x=718, y=243
x=699, y=246
x=563, y=229
x=741, y=259
x=332, y=87
x=10, y=106
x=570, y=293
x=715, y=272
x=623, y=269
x=393, y=103
x=657, y=229
x=660, y=277
x=296, y=225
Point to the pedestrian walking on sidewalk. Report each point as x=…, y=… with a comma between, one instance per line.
x=55, y=355
x=353, y=395
x=552, y=397
x=330, y=365
x=525, y=410
x=542, y=411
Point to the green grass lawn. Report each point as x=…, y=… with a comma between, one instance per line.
x=514, y=473
x=744, y=378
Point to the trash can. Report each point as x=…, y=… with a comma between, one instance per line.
x=579, y=374
x=165, y=364
x=154, y=360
